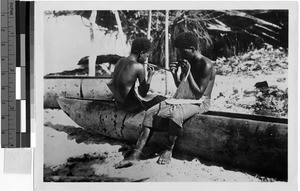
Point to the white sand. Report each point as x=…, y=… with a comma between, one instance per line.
x=58, y=148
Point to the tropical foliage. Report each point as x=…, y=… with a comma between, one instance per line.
x=220, y=32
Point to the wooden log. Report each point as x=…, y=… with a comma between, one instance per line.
x=258, y=144
x=94, y=87
x=74, y=86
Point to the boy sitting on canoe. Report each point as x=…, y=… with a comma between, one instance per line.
x=127, y=71
x=192, y=97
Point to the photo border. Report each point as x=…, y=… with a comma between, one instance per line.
x=40, y=7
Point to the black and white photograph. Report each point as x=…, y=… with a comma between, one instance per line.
x=166, y=95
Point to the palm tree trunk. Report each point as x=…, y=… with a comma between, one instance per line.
x=149, y=37
x=121, y=33
x=93, y=54
x=167, y=49
x=167, y=40
x=149, y=25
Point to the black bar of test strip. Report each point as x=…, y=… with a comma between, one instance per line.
x=17, y=33
x=31, y=66
x=23, y=140
x=18, y=126
x=27, y=56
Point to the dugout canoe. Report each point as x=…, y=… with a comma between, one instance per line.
x=86, y=87
x=75, y=86
x=254, y=143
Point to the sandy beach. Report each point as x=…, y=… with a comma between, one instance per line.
x=74, y=154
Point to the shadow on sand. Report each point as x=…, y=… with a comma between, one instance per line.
x=78, y=169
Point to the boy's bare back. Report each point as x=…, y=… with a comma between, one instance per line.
x=126, y=72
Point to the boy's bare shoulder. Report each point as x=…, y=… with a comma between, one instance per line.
x=129, y=62
x=209, y=63
x=207, y=60
x=209, y=69
x=138, y=65
x=134, y=66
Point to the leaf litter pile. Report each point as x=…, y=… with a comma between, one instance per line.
x=253, y=83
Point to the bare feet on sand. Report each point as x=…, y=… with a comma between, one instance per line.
x=165, y=157
x=126, y=163
x=129, y=161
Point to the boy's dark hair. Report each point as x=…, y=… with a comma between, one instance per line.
x=140, y=44
x=185, y=40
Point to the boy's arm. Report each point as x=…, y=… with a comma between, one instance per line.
x=199, y=88
x=174, y=70
x=144, y=85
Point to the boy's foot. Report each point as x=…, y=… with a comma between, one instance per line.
x=129, y=161
x=165, y=157
x=125, y=163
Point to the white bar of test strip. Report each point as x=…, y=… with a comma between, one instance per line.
x=18, y=83
x=23, y=116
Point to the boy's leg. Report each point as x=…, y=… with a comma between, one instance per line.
x=166, y=155
x=136, y=154
x=180, y=114
x=174, y=132
x=142, y=140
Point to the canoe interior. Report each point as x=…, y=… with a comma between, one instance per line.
x=212, y=113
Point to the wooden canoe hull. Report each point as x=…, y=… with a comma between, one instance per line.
x=258, y=144
x=86, y=87
x=77, y=87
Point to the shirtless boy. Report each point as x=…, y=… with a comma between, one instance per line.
x=169, y=115
x=127, y=71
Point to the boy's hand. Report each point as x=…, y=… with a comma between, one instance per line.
x=174, y=67
x=185, y=66
x=151, y=71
